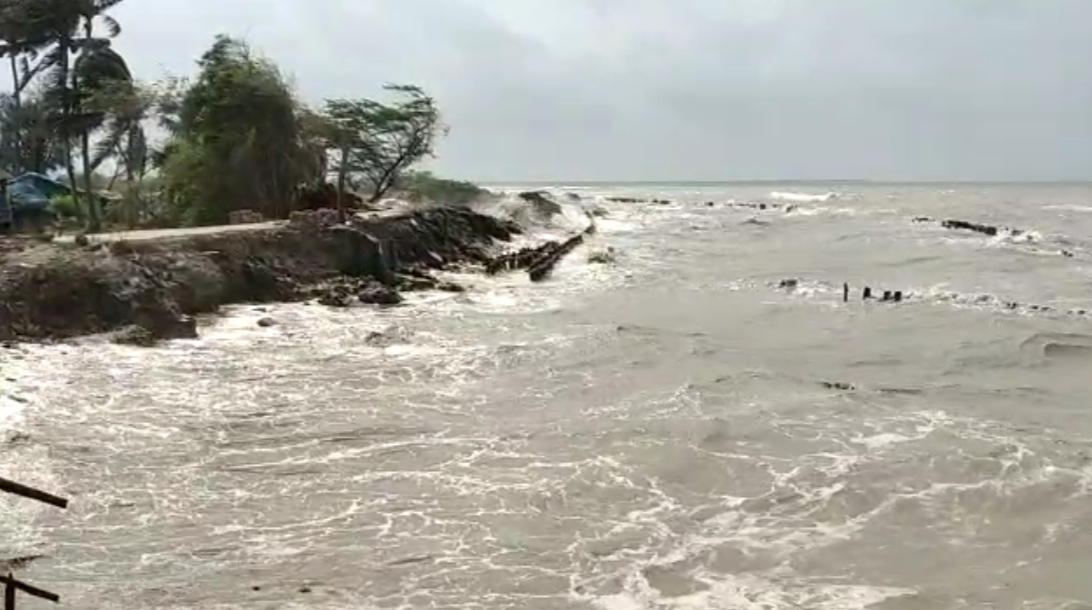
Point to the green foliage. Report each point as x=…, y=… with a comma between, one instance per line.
x=19, y=43
x=125, y=106
x=424, y=186
x=27, y=139
x=64, y=206
x=377, y=142
x=49, y=32
x=237, y=136
x=238, y=140
x=188, y=182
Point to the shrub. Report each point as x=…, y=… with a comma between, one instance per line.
x=64, y=207
x=424, y=186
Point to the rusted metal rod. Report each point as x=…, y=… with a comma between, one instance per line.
x=10, y=585
x=34, y=494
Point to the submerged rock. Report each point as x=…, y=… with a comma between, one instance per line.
x=602, y=257
x=375, y=293
x=387, y=337
x=597, y=211
x=970, y=226
x=411, y=283
x=134, y=335
x=266, y=322
x=335, y=299
x=541, y=203
x=450, y=287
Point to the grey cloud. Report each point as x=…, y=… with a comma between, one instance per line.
x=693, y=89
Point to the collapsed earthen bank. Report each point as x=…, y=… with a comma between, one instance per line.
x=157, y=286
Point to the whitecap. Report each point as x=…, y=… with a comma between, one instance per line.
x=802, y=197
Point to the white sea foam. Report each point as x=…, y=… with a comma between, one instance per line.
x=507, y=444
x=802, y=197
x=1083, y=209
x=17, y=385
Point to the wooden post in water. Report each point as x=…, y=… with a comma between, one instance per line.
x=34, y=494
x=10, y=584
x=9, y=593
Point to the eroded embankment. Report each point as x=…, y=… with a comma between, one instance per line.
x=156, y=287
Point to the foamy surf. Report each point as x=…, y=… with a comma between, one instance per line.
x=1015, y=236
x=673, y=445
x=746, y=592
x=11, y=409
x=820, y=210
x=19, y=379
x=802, y=197
x=545, y=213
x=1081, y=209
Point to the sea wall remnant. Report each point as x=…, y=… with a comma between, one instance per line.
x=55, y=291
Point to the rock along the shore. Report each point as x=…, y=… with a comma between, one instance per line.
x=53, y=291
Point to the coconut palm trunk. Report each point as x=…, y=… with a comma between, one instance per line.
x=17, y=102
x=64, y=46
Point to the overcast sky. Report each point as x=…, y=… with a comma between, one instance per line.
x=687, y=89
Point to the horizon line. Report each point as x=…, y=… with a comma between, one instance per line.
x=764, y=182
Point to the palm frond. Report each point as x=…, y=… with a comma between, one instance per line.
x=28, y=71
x=101, y=6
x=108, y=145
x=113, y=28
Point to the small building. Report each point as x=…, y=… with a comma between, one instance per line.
x=5, y=204
x=27, y=198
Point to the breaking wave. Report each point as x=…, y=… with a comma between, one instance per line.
x=802, y=197
x=669, y=445
x=540, y=211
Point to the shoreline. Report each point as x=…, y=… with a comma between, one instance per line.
x=151, y=289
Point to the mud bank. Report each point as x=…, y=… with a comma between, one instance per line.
x=156, y=287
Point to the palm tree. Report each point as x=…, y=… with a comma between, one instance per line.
x=65, y=28
x=27, y=138
x=19, y=42
x=126, y=106
x=10, y=47
x=96, y=68
x=50, y=25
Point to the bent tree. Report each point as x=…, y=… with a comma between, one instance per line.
x=376, y=142
x=236, y=139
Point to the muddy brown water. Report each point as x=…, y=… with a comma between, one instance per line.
x=671, y=431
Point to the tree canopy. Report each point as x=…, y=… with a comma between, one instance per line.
x=378, y=141
x=238, y=141
x=238, y=137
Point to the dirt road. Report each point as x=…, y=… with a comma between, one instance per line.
x=169, y=233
